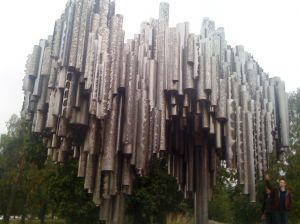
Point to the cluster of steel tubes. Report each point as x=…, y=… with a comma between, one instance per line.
x=168, y=93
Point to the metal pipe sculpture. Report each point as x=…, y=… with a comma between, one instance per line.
x=114, y=105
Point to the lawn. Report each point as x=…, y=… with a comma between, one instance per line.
x=184, y=219
x=48, y=221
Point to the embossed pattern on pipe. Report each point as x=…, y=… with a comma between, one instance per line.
x=114, y=105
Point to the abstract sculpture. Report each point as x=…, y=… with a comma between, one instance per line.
x=166, y=93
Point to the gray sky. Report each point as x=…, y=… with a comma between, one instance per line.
x=269, y=29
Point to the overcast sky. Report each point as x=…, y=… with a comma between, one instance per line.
x=269, y=29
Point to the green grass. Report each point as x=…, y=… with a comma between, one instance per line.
x=48, y=221
x=179, y=219
x=184, y=219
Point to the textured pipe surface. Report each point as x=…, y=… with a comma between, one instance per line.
x=114, y=105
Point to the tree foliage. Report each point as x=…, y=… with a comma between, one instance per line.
x=31, y=186
x=231, y=202
x=68, y=199
x=154, y=196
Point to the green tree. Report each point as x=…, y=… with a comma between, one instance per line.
x=12, y=162
x=68, y=198
x=154, y=196
x=31, y=186
x=293, y=155
x=220, y=206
